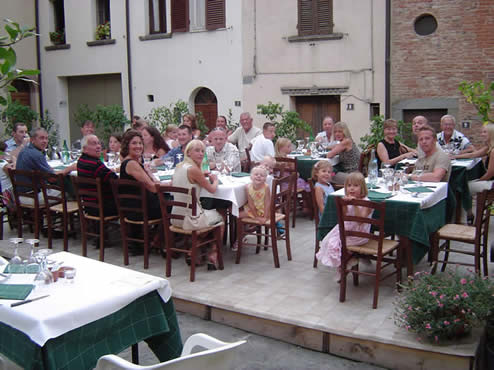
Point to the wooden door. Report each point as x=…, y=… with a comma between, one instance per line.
x=312, y=109
x=433, y=115
x=206, y=103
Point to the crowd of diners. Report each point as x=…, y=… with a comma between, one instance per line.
x=143, y=147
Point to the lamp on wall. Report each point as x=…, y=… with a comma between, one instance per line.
x=349, y=106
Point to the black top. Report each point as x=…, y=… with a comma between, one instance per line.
x=393, y=150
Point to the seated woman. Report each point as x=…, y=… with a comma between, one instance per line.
x=347, y=150
x=188, y=174
x=190, y=120
x=389, y=150
x=154, y=144
x=114, y=144
x=485, y=182
x=132, y=169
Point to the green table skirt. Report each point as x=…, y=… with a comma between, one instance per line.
x=305, y=164
x=402, y=218
x=148, y=318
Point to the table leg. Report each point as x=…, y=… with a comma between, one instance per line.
x=135, y=353
x=458, y=208
x=407, y=247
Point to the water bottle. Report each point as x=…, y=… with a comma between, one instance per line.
x=65, y=153
x=205, y=163
x=372, y=169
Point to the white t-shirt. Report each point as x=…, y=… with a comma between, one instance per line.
x=261, y=147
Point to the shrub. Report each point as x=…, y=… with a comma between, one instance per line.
x=17, y=112
x=161, y=117
x=377, y=133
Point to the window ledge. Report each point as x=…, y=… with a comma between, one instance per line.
x=331, y=36
x=101, y=42
x=155, y=36
x=57, y=47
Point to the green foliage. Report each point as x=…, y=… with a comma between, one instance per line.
x=201, y=123
x=103, y=31
x=109, y=119
x=8, y=59
x=83, y=114
x=57, y=37
x=51, y=127
x=230, y=123
x=444, y=305
x=16, y=112
x=161, y=117
x=377, y=133
x=480, y=96
x=287, y=122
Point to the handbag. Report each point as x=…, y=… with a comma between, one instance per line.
x=197, y=222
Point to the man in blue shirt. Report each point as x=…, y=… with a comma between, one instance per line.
x=184, y=137
x=18, y=135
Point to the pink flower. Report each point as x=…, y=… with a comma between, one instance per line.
x=409, y=308
x=445, y=322
x=427, y=326
x=463, y=281
x=442, y=296
x=440, y=305
x=456, y=320
x=433, y=293
x=436, y=338
x=465, y=295
x=456, y=297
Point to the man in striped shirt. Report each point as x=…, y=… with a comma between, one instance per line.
x=90, y=165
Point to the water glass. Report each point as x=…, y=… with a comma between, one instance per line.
x=16, y=260
x=69, y=274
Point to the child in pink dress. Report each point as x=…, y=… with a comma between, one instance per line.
x=330, y=251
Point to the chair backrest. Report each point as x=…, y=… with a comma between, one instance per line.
x=217, y=356
x=315, y=207
x=130, y=197
x=52, y=181
x=167, y=202
x=89, y=195
x=365, y=156
x=375, y=224
x=485, y=200
x=281, y=195
x=249, y=161
x=25, y=184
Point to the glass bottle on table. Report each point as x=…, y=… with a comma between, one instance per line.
x=373, y=170
x=205, y=164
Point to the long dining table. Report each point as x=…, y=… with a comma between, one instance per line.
x=413, y=216
x=106, y=309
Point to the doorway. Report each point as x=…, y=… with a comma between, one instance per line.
x=206, y=103
x=312, y=109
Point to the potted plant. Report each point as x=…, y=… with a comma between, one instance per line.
x=445, y=305
x=57, y=37
x=103, y=31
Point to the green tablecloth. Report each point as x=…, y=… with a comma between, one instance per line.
x=305, y=164
x=402, y=218
x=148, y=318
x=458, y=182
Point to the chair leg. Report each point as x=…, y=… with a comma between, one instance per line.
x=355, y=274
x=316, y=249
x=193, y=256
x=19, y=222
x=274, y=244
x=232, y=225
x=287, y=240
x=1, y=225
x=65, y=232
x=170, y=243
x=145, y=232
x=484, y=257
x=219, y=253
x=434, y=253
x=240, y=237
x=259, y=238
x=377, y=281
x=101, y=240
x=343, y=274
x=84, y=235
x=446, y=256
x=50, y=229
x=294, y=207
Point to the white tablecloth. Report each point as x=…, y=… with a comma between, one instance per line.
x=469, y=164
x=99, y=290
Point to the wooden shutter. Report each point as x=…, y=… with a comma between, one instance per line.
x=180, y=15
x=215, y=14
x=315, y=17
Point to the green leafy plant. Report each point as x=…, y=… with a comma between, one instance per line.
x=103, y=31
x=445, y=305
x=51, y=127
x=161, y=117
x=481, y=96
x=377, y=133
x=201, y=123
x=83, y=114
x=8, y=59
x=17, y=112
x=57, y=37
x=109, y=119
x=287, y=123
x=230, y=123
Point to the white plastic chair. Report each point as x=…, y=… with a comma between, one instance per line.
x=218, y=355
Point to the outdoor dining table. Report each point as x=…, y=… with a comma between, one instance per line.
x=305, y=163
x=105, y=310
x=412, y=218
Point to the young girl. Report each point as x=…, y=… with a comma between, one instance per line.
x=258, y=196
x=330, y=252
x=171, y=135
x=321, y=175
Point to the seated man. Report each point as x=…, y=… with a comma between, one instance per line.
x=88, y=128
x=221, y=151
x=435, y=163
x=18, y=136
x=244, y=135
x=184, y=136
x=90, y=165
x=325, y=137
x=451, y=139
x=263, y=145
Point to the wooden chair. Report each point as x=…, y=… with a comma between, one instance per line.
x=377, y=248
x=197, y=238
x=279, y=211
x=476, y=235
x=30, y=206
x=217, y=355
x=284, y=166
x=53, y=187
x=125, y=192
x=90, y=201
x=249, y=164
x=365, y=156
x=316, y=219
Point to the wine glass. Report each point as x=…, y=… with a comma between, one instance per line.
x=16, y=260
x=44, y=275
x=32, y=263
x=418, y=173
x=300, y=146
x=168, y=162
x=219, y=165
x=54, y=152
x=111, y=159
x=147, y=158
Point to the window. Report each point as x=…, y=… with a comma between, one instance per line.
x=157, y=16
x=59, y=16
x=197, y=15
x=102, y=11
x=315, y=17
x=425, y=25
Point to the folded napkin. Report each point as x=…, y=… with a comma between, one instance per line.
x=369, y=186
x=463, y=159
x=419, y=189
x=240, y=174
x=15, y=291
x=411, y=182
x=60, y=168
x=21, y=269
x=376, y=195
x=304, y=157
x=161, y=168
x=165, y=177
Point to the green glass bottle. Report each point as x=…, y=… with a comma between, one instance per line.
x=205, y=163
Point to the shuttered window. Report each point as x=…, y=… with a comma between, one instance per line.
x=180, y=15
x=215, y=14
x=315, y=17
x=157, y=16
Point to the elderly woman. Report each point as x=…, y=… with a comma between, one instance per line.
x=347, y=150
x=188, y=174
x=154, y=144
x=132, y=169
x=389, y=150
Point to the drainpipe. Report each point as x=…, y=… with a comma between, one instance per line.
x=38, y=57
x=387, y=71
x=129, y=59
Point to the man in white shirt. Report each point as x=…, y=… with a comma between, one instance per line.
x=325, y=137
x=243, y=136
x=451, y=139
x=222, y=152
x=263, y=144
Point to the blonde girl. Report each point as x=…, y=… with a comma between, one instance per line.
x=258, y=196
x=171, y=136
x=283, y=147
x=321, y=176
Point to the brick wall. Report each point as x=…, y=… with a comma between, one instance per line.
x=461, y=48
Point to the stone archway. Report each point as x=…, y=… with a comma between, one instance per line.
x=206, y=103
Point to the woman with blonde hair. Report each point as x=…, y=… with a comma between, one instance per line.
x=188, y=175
x=190, y=120
x=347, y=150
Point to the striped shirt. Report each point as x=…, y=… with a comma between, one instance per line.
x=91, y=167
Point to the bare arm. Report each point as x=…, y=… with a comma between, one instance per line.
x=489, y=174
x=250, y=202
x=267, y=202
x=346, y=144
x=434, y=176
x=474, y=154
x=319, y=199
x=135, y=170
x=196, y=176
